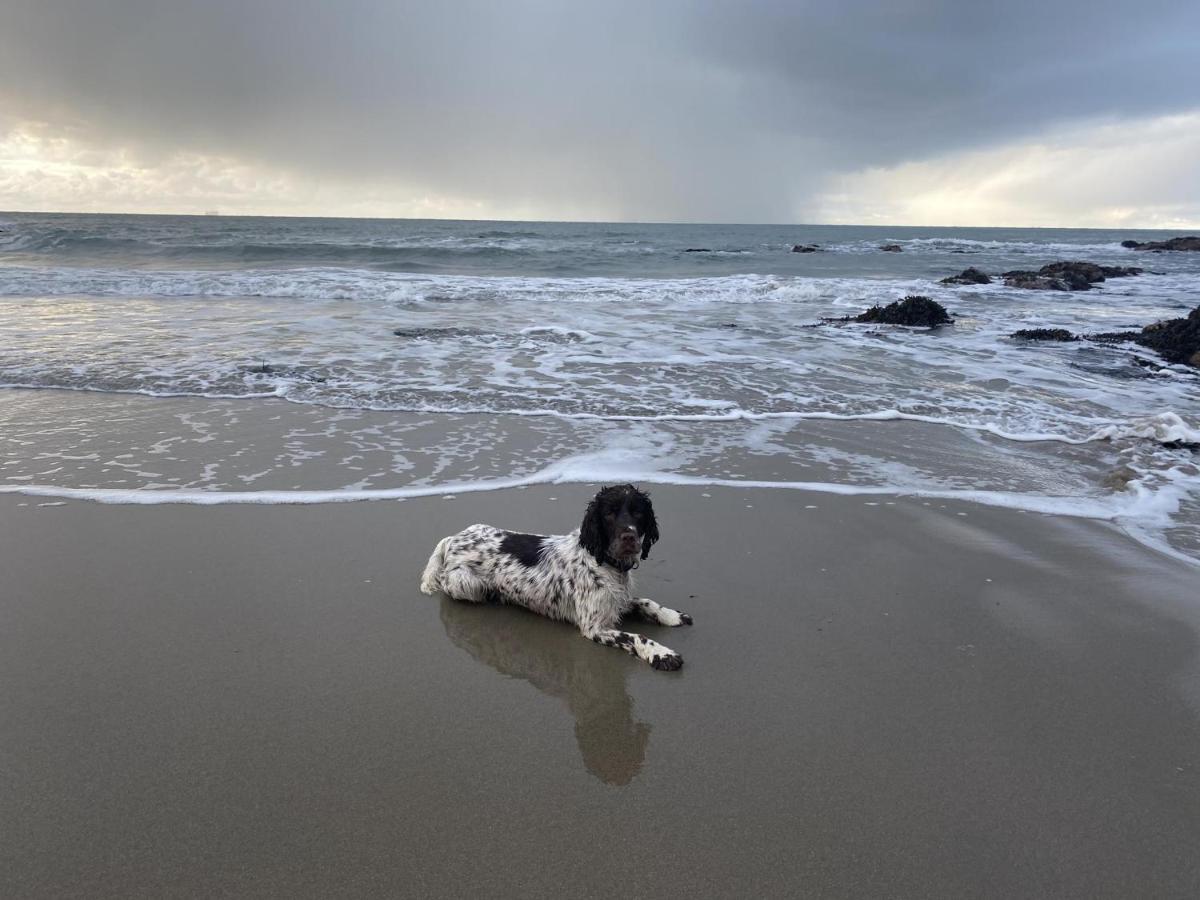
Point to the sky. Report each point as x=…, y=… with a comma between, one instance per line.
x=923, y=112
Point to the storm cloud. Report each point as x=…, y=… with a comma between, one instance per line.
x=700, y=111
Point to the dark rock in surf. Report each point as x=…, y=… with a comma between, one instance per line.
x=1114, y=337
x=914, y=311
x=1091, y=271
x=805, y=248
x=1044, y=334
x=1176, y=340
x=1032, y=281
x=1176, y=243
x=892, y=248
x=432, y=333
x=968, y=276
x=1066, y=276
x=697, y=250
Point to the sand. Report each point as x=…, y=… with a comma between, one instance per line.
x=880, y=698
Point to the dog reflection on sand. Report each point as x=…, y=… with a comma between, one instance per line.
x=511, y=641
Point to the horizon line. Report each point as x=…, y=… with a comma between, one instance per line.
x=216, y=214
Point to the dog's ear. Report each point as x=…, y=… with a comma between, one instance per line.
x=592, y=532
x=650, y=524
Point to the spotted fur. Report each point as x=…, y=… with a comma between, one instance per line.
x=583, y=577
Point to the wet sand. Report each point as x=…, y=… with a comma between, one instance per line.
x=879, y=698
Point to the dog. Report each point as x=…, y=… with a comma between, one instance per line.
x=582, y=577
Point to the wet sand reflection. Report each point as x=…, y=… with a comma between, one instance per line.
x=558, y=662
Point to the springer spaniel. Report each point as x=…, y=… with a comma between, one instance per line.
x=582, y=577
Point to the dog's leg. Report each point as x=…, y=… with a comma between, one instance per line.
x=642, y=647
x=653, y=612
x=461, y=583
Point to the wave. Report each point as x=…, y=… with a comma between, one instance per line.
x=1162, y=428
x=326, y=283
x=1143, y=512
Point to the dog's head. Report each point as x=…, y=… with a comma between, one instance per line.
x=619, y=526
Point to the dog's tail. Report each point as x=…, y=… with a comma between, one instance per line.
x=430, y=579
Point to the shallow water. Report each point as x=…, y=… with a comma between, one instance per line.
x=605, y=349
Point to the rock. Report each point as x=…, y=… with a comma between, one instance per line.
x=1066, y=276
x=1118, y=479
x=892, y=248
x=697, y=250
x=805, y=248
x=1176, y=243
x=1176, y=340
x=916, y=311
x=1044, y=334
x=1113, y=337
x=968, y=276
x=1032, y=281
x=427, y=334
x=1073, y=271
x=1090, y=271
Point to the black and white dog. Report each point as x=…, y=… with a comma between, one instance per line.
x=582, y=577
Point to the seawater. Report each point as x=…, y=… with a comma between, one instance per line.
x=693, y=353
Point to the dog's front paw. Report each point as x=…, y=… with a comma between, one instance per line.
x=666, y=662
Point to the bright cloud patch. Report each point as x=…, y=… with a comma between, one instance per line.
x=44, y=170
x=1134, y=174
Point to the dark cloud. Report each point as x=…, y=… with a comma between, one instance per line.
x=664, y=110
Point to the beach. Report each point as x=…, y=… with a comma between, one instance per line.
x=943, y=580
x=881, y=696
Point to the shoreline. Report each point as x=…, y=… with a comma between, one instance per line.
x=137, y=450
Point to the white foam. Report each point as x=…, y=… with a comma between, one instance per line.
x=1164, y=427
x=609, y=467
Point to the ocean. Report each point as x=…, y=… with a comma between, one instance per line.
x=219, y=359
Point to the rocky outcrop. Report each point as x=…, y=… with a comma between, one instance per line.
x=968, y=276
x=1066, y=276
x=1090, y=271
x=805, y=248
x=1044, y=334
x=1176, y=243
x=1032, y=281
x=915, y=311
x=892, y=248
x=1176, y=340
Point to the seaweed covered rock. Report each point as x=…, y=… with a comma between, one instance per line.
x=1035, y=281
x=1176, y=340
x=805, y=248
x=1091, y=271
x=1066, y=276
x=968, y=276
x=892, y=248
x=1176, y=243
x=916, y=311
x=1044, y=334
